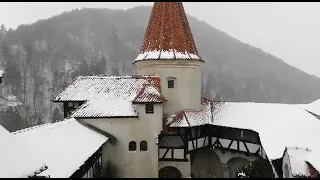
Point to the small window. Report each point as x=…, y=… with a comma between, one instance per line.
x=241, y=133
x=149, y=108
x=143, y=146
x=70, y=104
x=76, y=105
x=171, y=83
x=132, y=146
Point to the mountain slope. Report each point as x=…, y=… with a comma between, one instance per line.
x=48, y=54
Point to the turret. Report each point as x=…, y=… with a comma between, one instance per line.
x=168, y=50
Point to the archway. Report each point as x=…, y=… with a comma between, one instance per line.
x=235, y=164
x=206, y=164
x=169, y=172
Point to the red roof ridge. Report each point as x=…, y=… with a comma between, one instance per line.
x=156, y=98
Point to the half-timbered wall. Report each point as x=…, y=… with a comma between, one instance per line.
x=232, y=147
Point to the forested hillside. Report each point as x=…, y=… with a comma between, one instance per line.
x=42, y=58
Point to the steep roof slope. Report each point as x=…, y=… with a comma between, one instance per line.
x=168, y=35
x=64, y=146
x=16, y=159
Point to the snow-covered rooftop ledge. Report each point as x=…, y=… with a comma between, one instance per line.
x=16, y=159
x=313, y=108
x=167, y=55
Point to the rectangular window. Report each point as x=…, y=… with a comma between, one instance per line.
x=149, y=108
x=76, y=105
x=70, y=104
x=171, y=83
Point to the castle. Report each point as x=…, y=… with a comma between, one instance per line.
x=156, y=124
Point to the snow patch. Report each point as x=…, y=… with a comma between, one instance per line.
x=16, y=159
x=106, y=108
x=64, y=146
x=313, y=107
x=166, y=54
x=298, y=158
x=278, y=125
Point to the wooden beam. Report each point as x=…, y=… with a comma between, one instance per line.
x=174, y=160
x=245, y=145
x=172, y=153
x=165, y=153
x=230, y=144
x=204, y=141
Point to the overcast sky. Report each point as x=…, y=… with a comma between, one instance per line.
x=290, y=31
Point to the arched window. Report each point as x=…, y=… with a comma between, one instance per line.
x=143, y=146
x=132, y=146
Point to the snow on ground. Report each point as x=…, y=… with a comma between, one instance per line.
x=64, y=146
x=16, y=160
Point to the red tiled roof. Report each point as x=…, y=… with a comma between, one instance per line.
x=168, y=35
x=190, y=118
x=149, y=93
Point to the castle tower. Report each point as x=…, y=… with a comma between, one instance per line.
x=168, y=50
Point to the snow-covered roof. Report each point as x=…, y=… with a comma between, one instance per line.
x=111, y=96
x=63, y=146
x=106, y=108
x=16, y=161
x=313, y=107
x=86, y=88
x=297, y=159
x=191, y=118
x=278, y=125
x=149, y=93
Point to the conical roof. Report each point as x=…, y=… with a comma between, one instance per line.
x=168, y=35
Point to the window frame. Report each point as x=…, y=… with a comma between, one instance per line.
x=134, y=144
x=147, y=106
x=174, y=82
x=143, y=146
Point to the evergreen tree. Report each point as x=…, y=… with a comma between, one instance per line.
x=100, y=66
x=114, y=71
x=12, y=120
x=3, y=28
x=13, y=76
x=56, y=115
x=259, y=168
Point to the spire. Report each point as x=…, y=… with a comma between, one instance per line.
x=168, y=35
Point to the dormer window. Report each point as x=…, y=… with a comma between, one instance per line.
x=171, y=82
x=149, y=108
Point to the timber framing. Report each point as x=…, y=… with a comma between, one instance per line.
x=234, y=140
